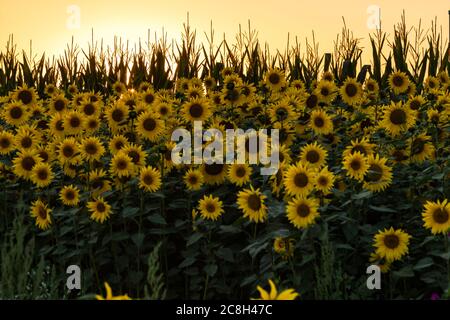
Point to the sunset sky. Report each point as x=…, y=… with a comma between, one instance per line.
x=50, y=24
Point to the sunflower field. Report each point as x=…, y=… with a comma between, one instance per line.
x=87, y=176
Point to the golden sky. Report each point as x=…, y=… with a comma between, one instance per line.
x=51, y=23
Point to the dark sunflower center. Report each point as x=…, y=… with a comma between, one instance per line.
x=59, y=125
x=68, y=151
x=89, y=109
x=92, y=124
x=26, y=142
x=97, y=183
x=70, y=195
x=324, y=91
x=42, y=212
x=254, y=202
x=303, y=210
x=5, y=143
x=319, y=122
x=281, y=113
x=370, y=87
x=192, y=179
x=130, y=103
x=118, y=144
x=397, y=81
x=163, y=110
x=101, y=207
x=374, y=173
x=301, y=180
x=398, y=117
x=42, y=174
x=149, y=124
x=148, y=179
x=91, y=148
x=210, y=207
x=399, y=155
x=351, y=90
x=196, y=110
x=75, y=122
x=117, y=115
x=312, y=156
x=323, y=181
x=149, y=98
x=122, y=164
x=440, y=216
x=240, y=172
x=274, y=78
x=16, y=112
x=214, y=169
x=43, y=155
x=59, y=105
x=25, y=96
x=391, y=241
x=28, y=163
x=355, y=164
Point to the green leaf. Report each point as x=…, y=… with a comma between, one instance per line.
x=382, y=209
x=225, y=254
x=406, y=272
x=423, y=263
x=187, y=262
x=362, y=195
x=194, y=238
x=138, y=239
x=210, y=269
x=157, y=219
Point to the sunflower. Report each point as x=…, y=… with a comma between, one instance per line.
x=119, y=88
x=284, y=247
x=391, y=244
x=361, y=145
x=149, y=126
x=275, y=79
x=147, y=96
x=92, y=124
x=117, y=115
x=431, y=83
x=121, y=165
x=58, y=104
x=415, y=103
x=251, y=202
x=196, y=110
x=42, y=174
x=89, y=109
x=378, y=176
x=383, y=264
x=436, y=216
x=321, y=122
x=302, y=212
x=210, y=207
x=239, y=174
x=50, y=89
x=397, y=119
x=298, y=180
x=109, y=295
x=193, y=179
x=421, y=148
x=149, y=179
x=399, y=155
x=100, y=209
x=15, y=114
x=24, y=163
x=42, y=213
x=164, y=110
x=356, y=165
x=73, y=122
x=98, y=182
x=56, y=125
x=117, y=143
x=435, y=117
x=313, y=155
x=398, y=82
x=70, y=195
x=72, y=89
x=27, y=96
x=312, y=101
x=215, y=173
x=68, y=151
x=351, y=92
x=91, y=148
x=288, y=294
x=281, y=112
x=326, y=91
x=372, y=88
x=6, y=142
x=135, y=152
x=324, y=181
